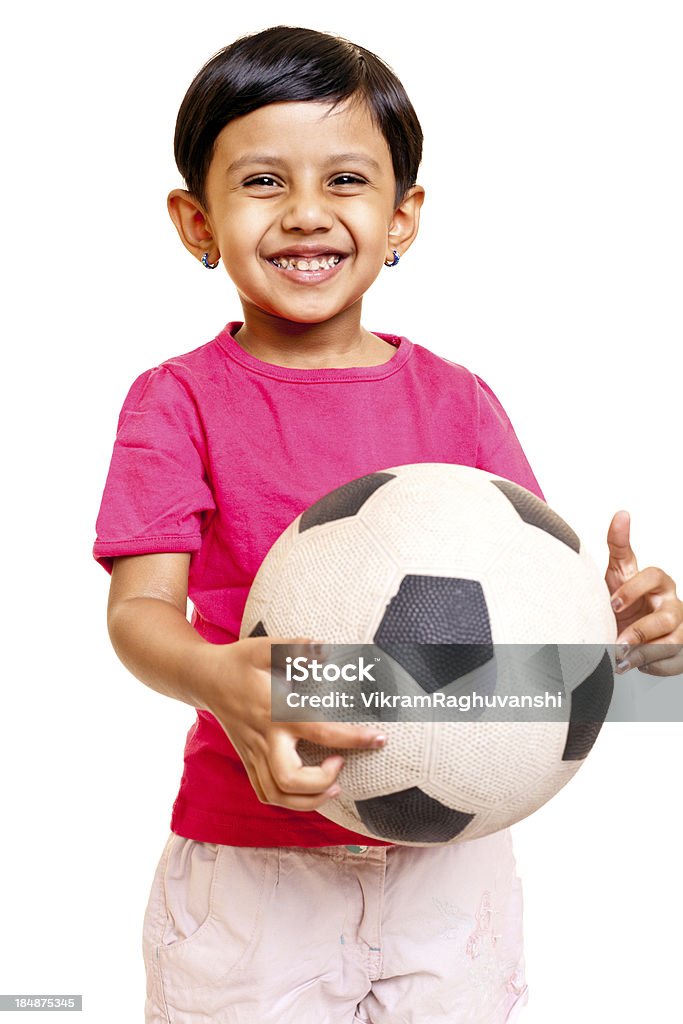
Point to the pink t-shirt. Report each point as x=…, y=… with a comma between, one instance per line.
x=217, y=452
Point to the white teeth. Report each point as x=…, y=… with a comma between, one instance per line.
x=315, y=263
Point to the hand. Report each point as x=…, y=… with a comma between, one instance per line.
x=242, y=705
x=648, y=611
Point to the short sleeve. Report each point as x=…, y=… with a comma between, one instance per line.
x=499, y=450
x=157, y=491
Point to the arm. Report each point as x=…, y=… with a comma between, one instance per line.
x=149, y=630
x=152, y=637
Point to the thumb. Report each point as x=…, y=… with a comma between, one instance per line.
x=622, y=562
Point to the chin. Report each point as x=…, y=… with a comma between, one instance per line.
x=312, y=318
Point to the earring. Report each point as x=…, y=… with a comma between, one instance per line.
x=392, y=263
x=209, y=266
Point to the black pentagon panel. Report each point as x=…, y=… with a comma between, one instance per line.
x=590, y=703
x=437, y=628
x=434, y=666
x=383, y=684
x=259, y=630
x=536, y=513
x=344, y=501
x=411, y=816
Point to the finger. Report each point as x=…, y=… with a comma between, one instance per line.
x=658, y=626
x=668, y=660
x=648, y=651
x=294, y=801
x=289, y=773
x=648, y=581
x=640, y=656
x=622, y=563
x=339, y=734
x=297, y=801
x=274, y=794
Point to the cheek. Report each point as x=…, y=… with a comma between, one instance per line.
x=242, y=226
x=376, y=225
x=239, y=242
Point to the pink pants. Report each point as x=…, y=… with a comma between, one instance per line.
x=335, y=934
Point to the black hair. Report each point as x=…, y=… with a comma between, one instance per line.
x=283, y=64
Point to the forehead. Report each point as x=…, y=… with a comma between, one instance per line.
x=310, y=129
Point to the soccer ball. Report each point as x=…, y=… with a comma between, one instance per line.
x=461, y=581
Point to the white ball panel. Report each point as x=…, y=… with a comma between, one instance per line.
x=601, y=624
x=407, y=518
x=503, y=760
x=523, y=804
x=541, y=594
x=271, y=570
x=367, y=773
x=346, y=599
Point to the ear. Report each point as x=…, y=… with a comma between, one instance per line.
x=406, y=220
x=192, y=224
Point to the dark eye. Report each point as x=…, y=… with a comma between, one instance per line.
x=347, y=179
x=262, y=179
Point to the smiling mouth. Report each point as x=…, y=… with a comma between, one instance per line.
x=323, y=262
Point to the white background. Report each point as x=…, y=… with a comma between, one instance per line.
x=549, y=262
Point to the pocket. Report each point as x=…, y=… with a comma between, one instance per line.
x=515, y=1010
x=155, y=911
x=188, y=888
x=215, y=904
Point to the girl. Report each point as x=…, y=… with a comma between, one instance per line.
x=300, y=152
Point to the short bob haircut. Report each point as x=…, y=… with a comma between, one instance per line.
x=282, y=64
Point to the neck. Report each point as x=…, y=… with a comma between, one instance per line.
x=335, y=343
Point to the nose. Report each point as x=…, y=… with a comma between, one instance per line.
x=307, y=209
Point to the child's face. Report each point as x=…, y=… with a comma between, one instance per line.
x=294, y=181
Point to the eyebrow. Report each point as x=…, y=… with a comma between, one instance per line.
x=269, y=158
